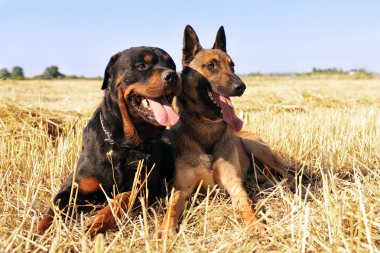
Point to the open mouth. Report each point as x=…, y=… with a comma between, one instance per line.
x=214, y=103
x=224, y=108
x=157, y=111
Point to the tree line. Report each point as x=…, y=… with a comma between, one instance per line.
x=315, y=72
x=51, y=72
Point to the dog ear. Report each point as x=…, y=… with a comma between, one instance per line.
x=107, y=72
x=191, y=45
x=220, y=41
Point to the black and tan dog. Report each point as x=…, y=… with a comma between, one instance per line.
x=209, y=151
x=139, y=86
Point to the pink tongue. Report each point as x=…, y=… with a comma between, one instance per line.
x=163, y=112
x=228, y=111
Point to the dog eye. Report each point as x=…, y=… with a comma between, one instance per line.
x=141, y=66
x=211, y=66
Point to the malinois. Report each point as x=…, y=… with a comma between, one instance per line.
x=209, y=148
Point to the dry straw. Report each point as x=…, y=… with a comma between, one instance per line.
x=335, y=137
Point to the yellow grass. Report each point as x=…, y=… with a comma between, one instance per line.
x=331, y=126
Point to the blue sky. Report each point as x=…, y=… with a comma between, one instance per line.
x=265, y=36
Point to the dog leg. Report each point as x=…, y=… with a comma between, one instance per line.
x=253, y=145
x=229, y=177
x=185, y=182
x=105, y=218
x=169, y=226
x=45, y=222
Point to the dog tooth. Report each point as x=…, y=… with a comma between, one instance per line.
x=145, y=103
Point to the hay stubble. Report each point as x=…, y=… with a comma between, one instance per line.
x=331, y=126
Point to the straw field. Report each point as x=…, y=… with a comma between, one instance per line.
x=330, y=127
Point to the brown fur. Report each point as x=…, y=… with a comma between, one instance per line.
x=89, y=185
x=147, y=58
x=45, y=223
x=128, y=126
x=166, y=57
x=105, y=218
x=208, y=152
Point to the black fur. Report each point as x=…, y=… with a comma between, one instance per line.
x=221, y=42
x=114, y=165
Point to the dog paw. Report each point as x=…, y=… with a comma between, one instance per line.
x=44, y=224
x=100, y=223
x=256, y=228
x=169, y=228
x=168, y=232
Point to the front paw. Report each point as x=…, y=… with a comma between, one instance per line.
x=168, y=228
x=167, y=232
x=44, y=224
x=256, y=228
x=101, y=222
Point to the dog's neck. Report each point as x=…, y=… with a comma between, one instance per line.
x=196, y=120
x=210, y=131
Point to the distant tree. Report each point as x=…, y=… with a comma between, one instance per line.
x=52, y=72
x=4, y=73
x=17, y=73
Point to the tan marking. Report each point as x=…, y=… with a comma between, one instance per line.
x=153, y=87
x=88, y=184
x=148, y=58
x=165, y=57
x=44, y=224
x=118, y=80
x=155, y=84
x=204, y=57
x=105, y=218
x=128, y=127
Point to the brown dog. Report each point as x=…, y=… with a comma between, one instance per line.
x=209, y=151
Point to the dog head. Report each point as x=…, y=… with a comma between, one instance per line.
x=213, y=78
x=143, y=82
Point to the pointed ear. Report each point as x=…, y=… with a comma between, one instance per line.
x=108, y=71
x=220, y=41
x=191, y=45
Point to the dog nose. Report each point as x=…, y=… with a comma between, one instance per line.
x=239, y=88
x=170, y=76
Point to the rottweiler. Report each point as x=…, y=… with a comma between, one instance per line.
x=210, y=148
x=139, y=85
